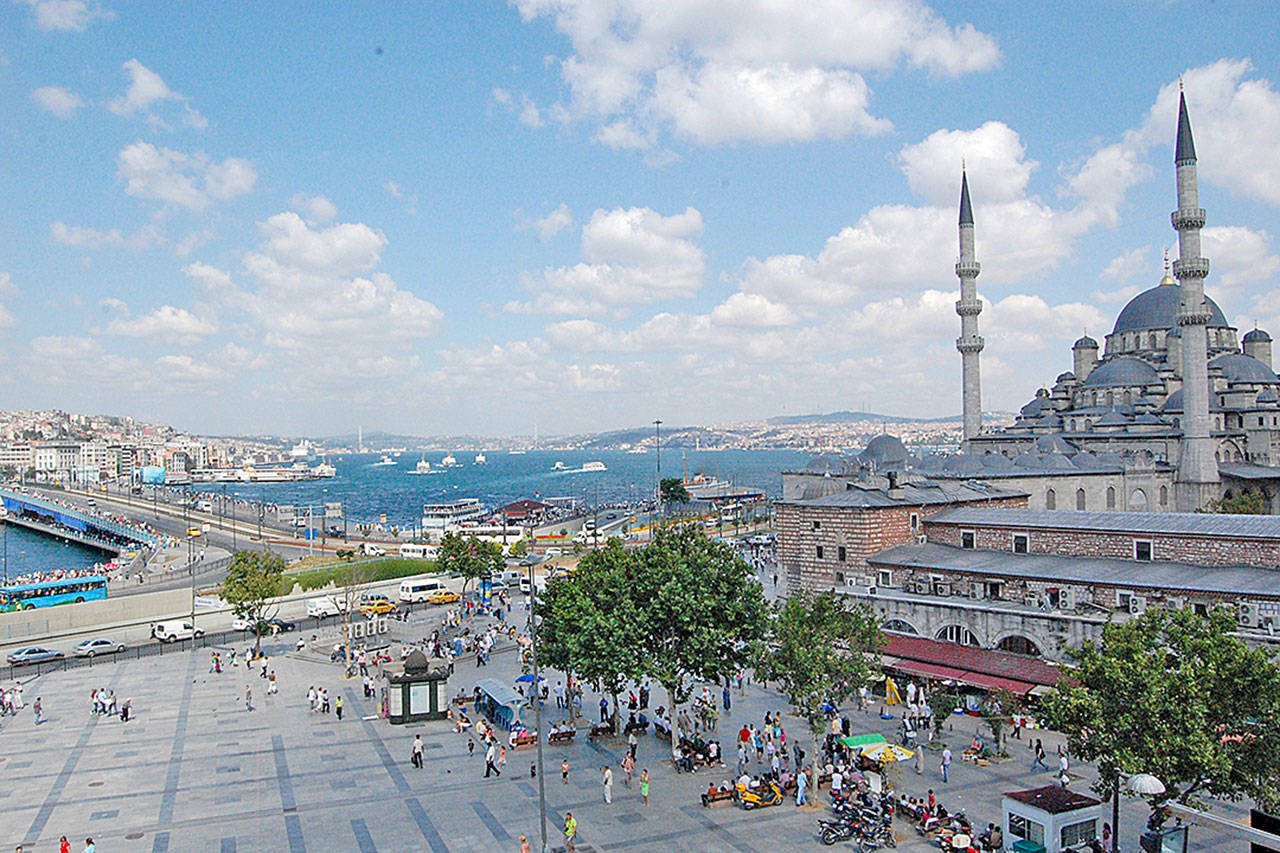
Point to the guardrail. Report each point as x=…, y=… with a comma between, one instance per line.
x=21, y=672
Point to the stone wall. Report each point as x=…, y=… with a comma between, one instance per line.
x=123, y=609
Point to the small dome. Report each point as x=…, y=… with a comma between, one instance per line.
x=1268, y=396
x=1053, y=419
x=827, y=463
x=1086, y=461
x=1085, y=343
x=1056, y=462
x=1123, y=371
x=1174, y=403
x=996, y=462
x=884, y=449
x=1111, y=419
x=1157, y=308
x=1066, y=377
x=1256, y=336
x=416, y=662
x=1036, y=407
x=1147, y=419
x=1237, y=367
x=1027, y=460
x=1054, y=444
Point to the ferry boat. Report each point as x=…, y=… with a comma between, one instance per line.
x=324, y=470
x=480, y=460
x=385, y=460
x=559, y=466
x=593, y=466
x=423, y=466
x=449, y=513
x=449, y=461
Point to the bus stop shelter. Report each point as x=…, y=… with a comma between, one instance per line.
x=500, y=703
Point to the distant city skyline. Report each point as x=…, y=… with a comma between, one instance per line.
x=294, y=220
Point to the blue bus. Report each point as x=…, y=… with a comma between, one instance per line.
x=48, y=593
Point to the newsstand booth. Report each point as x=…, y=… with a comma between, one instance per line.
x=414, y=692
x=1049, y=819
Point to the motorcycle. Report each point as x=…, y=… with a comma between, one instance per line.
x=957, y=842
x=833, y=831
x=876, y=836
x=766, y=795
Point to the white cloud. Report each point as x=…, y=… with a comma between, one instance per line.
x=187, y=180
x=631, y=256
x=993, y=154
x=66, y=15
x=710, y=71
x=1130, y=264
x=1239, y=257
x=187, y=370
x=317, y=209
x=147, y=89
x=91, y=238
x=192, y=241
x=57, y=100
x=553, y=223
x=166, y=324
x=751, y=311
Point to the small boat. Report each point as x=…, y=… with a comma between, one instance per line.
x=515, y=453
x=480, y=460
x=448, y=461
x=593, y=466
x=559, y=466
x=423, y=466
x=385, y=460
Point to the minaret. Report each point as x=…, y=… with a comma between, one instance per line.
x=969, y=307
x=1197, y=478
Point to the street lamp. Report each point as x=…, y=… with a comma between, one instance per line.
x=537, y=704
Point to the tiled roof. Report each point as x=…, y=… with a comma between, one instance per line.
x=1171, y=523
x=970, y=659
x=920, y=493
x=1053, y=799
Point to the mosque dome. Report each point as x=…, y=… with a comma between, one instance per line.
x=1066, y=377
x=1256, y=336
x=1123, y=371
x=1085, y=343
x=1054, y=444
x=1157, y=308
x=1036, y=407
x=827, y=464
x=1237, y=367
x=884, y=450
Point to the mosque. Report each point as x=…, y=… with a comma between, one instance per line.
x=1170, y=413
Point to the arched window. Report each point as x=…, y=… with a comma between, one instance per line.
x=1164, y=496
x=1079, y=498
x=899, y=627
x=1111, y=497
x=1151, y=342
x=1138, y=501
x=1019, y=645
x=958, y=634
x=1050, y=499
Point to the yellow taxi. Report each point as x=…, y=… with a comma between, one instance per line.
x=376, y=604
x=443, y=596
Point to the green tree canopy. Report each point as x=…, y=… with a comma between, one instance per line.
x=251, y=582
x=1176, y=695
x=820, y=651
x=673, y=491
x=469, y=557
x=1245, y=503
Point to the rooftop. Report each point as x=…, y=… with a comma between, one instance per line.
x=874, y=493
x=1053, y=799
x=1106, y=571
x=1168, y=523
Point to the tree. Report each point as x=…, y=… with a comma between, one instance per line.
x=943, y=706
x=821, y=653
x=1174, y=694
x=588, y=622
x=701, y=612
x=251, y=582
x=1245, y=503
x=673, y=491
x=350, y=578
x=998, y=708
x=518, y=548
x=469, y=557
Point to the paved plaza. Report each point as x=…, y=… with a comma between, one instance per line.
x=195, y=771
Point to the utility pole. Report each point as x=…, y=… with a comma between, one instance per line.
x=234, y=547
x=537, y=706
x=657, y=435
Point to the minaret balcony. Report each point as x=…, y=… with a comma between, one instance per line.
x=970, y=344
x=968, y=269
x=1194, y=316
x=968, y=307
x=1190, y=268
x=1185, y=218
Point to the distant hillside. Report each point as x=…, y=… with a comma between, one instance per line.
x=852, y=417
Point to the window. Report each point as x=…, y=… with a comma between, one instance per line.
x=885, y=578
x=1123, y=599
x=1023, y=827
x=819, y=550
x=817, y=525
x=1200, y=609
x=840, y=578
x=915, y=521
x=966, y=539
x=840, y=553
x=1080, y=499
x=1164, y=496
x=1019, y=543
x=1079, y=833
x=1050, y=499
x=1111, y=497
x=994, y=588
x=1142, y=550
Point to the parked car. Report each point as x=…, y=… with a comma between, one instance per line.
x=34, y=654
x=98, y=646
x=443, y=596
x=326, y=605
x=168, y=632
x=376, y=604
x=281, y=625
x=241, y=624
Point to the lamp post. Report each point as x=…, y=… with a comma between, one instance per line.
x=233, y=522
x=537, y=705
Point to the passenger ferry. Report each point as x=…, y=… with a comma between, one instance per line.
x=449, y=513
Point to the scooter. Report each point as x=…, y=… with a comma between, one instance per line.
x=874, y=836
x=766, y=795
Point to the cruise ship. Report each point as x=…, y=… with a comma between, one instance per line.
x=443, y=515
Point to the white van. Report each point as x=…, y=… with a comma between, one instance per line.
x=327, y=605
x=539, y=583
x=416, y=590
x=204, y=506
x=419, y=551
x=179, y=629
x=511, y=577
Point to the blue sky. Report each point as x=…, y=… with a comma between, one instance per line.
x=467, y=217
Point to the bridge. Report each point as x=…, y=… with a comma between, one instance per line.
x=71, y=524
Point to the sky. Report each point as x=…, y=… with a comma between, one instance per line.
x=475, y=217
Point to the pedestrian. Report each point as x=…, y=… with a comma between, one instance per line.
x=38, y=707
x=1039, y=759
x=338, y=708
x=802, y=784
x=490, y=759
x=570, y=833
x=564, y=771
x=64, y=846
x=272, y=686
x=524, y=845
x=1063, y=765
x=248, y=698
x=946, y=762
x=919, y=760
x=604, y=709
x=125, y=710
x=502, y=758
x=628, y=765
x=1106, y=837
x=644, y=785
x=533, y=770
x=725, y=695
x=631, y=745
x=416, y=757
x=89, y=846
x=606, y=779
x=471, y=747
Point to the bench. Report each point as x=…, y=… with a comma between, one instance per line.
x=526, y=740
x=635, y=727
x=462, y=701
x=716, y=796
x=561, y=737
x=603, y=730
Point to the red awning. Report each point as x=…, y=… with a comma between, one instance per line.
x=929, y=670
x=995, y=682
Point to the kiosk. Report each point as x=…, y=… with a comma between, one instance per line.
x=1049, y=819
x=417, y=691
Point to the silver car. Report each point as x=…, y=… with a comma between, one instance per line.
x=98, y=646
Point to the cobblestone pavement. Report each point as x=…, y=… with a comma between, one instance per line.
x=195, y=771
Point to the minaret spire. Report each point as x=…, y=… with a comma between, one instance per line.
x=1197, y=479
x=969, y=343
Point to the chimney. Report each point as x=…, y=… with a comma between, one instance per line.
x=895, y=492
